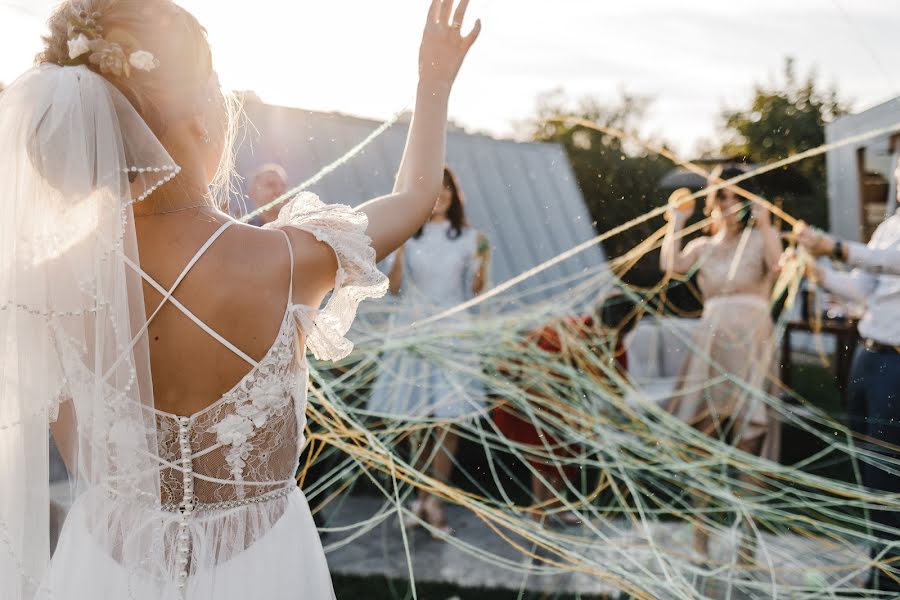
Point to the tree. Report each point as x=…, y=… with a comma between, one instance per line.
x=618, y=179
x=783, y=120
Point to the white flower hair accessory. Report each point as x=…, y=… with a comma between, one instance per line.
x=78, y=46
x=114, y=53
x=143, y=60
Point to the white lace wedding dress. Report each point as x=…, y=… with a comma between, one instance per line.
x=233, y=525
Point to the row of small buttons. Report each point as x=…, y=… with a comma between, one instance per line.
x=183, y=544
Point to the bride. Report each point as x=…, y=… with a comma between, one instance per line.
x=163, y=342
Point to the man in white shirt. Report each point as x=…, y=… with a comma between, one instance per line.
x=874, y=387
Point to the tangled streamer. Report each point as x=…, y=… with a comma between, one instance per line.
x=632, y=471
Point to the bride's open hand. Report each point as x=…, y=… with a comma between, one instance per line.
x=444, y=47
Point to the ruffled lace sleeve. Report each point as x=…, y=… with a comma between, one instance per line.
x=344, y=229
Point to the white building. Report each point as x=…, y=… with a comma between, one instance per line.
x=862, y=188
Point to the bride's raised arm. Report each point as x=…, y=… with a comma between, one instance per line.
x=395, y=217
x=336, y=247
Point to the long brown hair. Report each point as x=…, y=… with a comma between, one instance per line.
x=456, y=214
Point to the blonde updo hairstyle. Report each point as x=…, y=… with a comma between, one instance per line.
x=180, y=86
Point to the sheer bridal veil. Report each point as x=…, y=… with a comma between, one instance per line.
x=74, y=156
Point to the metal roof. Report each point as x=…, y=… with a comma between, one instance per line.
x=523, y=196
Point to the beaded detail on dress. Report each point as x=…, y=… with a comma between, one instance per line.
x=234, y=462
x=242, y=451
x=244, y=445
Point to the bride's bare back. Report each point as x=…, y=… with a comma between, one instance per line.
x=238, y=287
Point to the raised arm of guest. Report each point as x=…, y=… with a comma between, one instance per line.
x=675, y=260
x=855, y=285
x=879, y=256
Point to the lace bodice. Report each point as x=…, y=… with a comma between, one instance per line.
x=730, y=266
x=246, y=445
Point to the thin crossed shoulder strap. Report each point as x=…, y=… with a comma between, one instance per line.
x=290, y=298
x=168, y=297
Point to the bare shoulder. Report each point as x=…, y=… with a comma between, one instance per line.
x=260, y=258
x=698, y=243
x=257, y=255
x=241, y=283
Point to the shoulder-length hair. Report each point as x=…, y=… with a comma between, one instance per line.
x=456, y=214
x=724, y=174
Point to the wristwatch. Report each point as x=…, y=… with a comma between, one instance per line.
x=837, y=253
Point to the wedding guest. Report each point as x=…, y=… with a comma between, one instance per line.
x=736, y=263
x=873, y=392
x=444, y=264
x=269, y=182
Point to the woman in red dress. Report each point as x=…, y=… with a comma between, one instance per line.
x=560, y=346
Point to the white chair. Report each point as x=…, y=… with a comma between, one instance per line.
x=657, y=349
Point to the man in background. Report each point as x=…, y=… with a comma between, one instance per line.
x=874, y=387
x=269, y=182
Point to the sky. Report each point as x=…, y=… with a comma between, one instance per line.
x=692, y=57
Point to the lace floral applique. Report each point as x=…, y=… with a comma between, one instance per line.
x=235, y=430
x=267, y=398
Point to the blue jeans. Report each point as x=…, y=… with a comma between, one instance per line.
x=874, y=411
